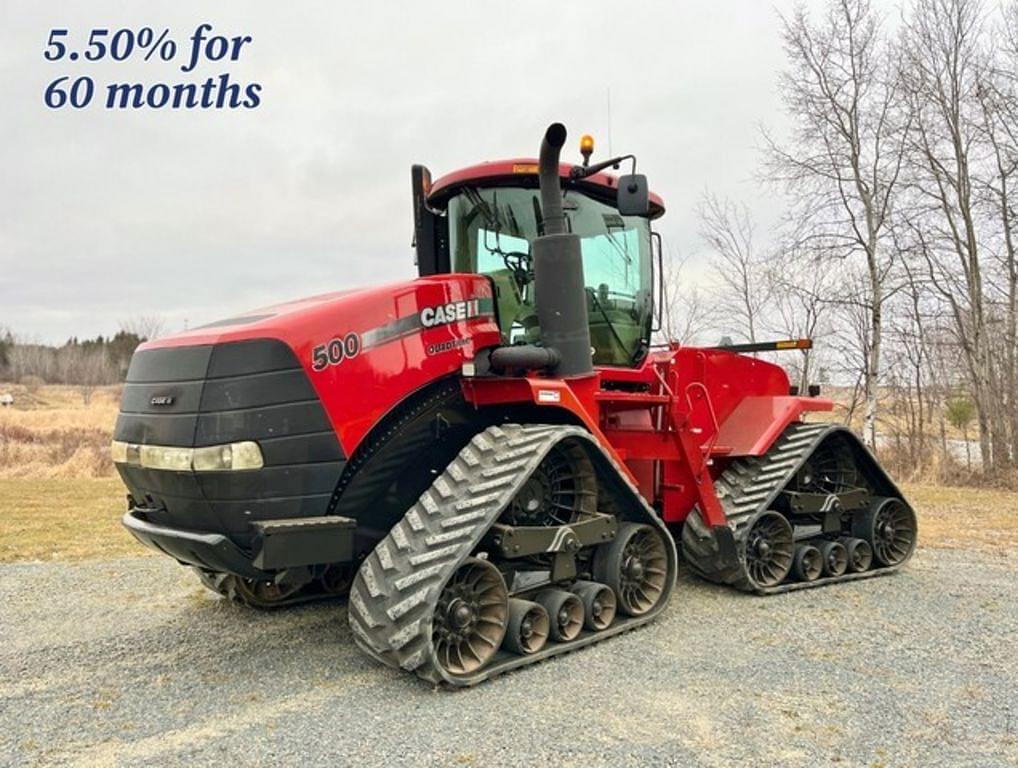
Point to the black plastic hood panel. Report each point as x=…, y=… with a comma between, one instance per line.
x=224, y=393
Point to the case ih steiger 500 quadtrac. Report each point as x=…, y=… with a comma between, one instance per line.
x=492, y=459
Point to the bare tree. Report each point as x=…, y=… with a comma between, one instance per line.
x=800, y=304
x=145, y=327
x=27, y=359
x=685, y=313
x=944, y=66
x=86, y=367
x=727, y=229
x=997, y=92
x=842, y=166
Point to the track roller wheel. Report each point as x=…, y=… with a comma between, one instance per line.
x=860, y=554
x=565, y=611
x=889, y=527
x=529, y=625
x=808, y=564
x=262, y=593
x=770, y=549
x=471, y=617
x=599, y=604
x=635, y=565
x=835, y=558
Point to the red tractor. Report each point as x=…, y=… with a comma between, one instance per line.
x=494, y=460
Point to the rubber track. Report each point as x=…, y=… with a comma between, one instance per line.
x=397, y=587
x=747, y=487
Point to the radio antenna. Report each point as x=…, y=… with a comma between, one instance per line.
x=608, y=96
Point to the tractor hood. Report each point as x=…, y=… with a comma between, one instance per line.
x=287, y=393
x=362, y=351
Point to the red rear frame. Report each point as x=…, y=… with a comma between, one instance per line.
x=673, y=422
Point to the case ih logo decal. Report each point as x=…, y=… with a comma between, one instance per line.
x=453, y=312
x=335, y=351
x=350, y=345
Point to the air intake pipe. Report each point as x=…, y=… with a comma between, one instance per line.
x=559, y=289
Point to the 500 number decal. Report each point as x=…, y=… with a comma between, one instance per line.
x=335, y=351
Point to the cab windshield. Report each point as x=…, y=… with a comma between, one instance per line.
x=490, y=232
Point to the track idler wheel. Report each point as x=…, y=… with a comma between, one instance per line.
x=565, y=611
x=599, y=604
x=562, y=490
x=529, y=626
x=808, y=563
x=471, y=617
x=635, y=565
x=770, y=549
x=860, y=554
x=835, y=558
x=889, y=527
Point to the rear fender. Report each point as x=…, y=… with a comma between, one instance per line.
x=571, y=395
x=757, y=421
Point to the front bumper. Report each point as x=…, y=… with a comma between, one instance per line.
x=280, y=544
x=210, y=551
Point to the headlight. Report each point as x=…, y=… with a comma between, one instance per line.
x=118, y=452
x=161, y=457
x=216, y=458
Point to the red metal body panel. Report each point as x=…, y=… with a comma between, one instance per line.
x=503, y=170
x=758, y=421
x=361, y=389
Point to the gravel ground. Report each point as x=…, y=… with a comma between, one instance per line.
x=130, y=662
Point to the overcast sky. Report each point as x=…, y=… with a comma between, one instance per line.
x=196, y=215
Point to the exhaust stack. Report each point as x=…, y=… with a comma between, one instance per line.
x=559, y=290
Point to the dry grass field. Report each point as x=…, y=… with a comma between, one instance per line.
x=51, y=433
x=60, y=498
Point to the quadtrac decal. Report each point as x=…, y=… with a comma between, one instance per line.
x=446, y=346
x=347, y=346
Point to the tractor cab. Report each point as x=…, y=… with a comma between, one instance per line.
x=484, y=219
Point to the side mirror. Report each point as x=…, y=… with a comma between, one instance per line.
x=425, y=241
x=634, y=196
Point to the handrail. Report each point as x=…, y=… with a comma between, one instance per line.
x=710, y=410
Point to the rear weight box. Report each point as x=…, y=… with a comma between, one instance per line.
x=304, y=541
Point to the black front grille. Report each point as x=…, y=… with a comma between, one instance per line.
x=224, y=393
